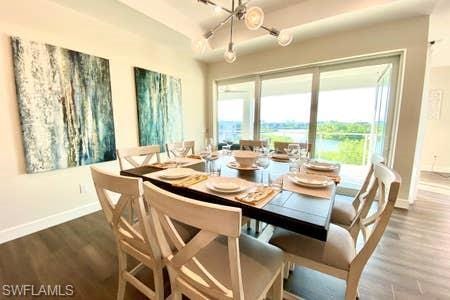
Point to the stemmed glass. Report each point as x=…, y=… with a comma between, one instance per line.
x=180, y=152
x=293, y=152
x=205, y=155
x=263, y=162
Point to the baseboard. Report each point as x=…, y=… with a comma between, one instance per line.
x=18, y=231
x=402, y=203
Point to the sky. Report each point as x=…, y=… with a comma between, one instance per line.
x=352, y=105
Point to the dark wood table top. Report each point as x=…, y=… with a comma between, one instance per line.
x=300, y=213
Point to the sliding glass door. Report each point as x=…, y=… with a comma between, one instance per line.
x=351, y=117
x=345, y=111
x=235, y=111
x=285, y=108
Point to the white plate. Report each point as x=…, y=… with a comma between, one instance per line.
x=320, y=166
x=176, y=173
x=223, y=184
x=235, y=165
x=311, y=181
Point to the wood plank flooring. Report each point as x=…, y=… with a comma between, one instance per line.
x=411, y=262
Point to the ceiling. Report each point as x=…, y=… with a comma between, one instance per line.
x=178, y=22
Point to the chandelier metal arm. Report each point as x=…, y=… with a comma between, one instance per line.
x=212, y=3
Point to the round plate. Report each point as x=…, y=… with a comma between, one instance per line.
x=235, y=165
x=311, y=181
x=176, y=173
x=320, y=166
x=215, y=184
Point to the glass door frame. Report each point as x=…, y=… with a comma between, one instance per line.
x=396, y=58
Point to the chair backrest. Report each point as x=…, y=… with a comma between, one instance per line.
x=190, y=147
x=140, y=243
x=129, y=156
x=251, y=144
x=387, y=183
x=280, y=146
x=213, y=221
x=366, y=186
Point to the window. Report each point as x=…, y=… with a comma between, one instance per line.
x=345, y=111
x=235, y=112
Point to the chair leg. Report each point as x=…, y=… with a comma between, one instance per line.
x=176, y=295
x=351, y=291
x=257, y=225
x=159, y=283
x=286, y=270
x=277, y=287
x=249, y=224
x=122, y=268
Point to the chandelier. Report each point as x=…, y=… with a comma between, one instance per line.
x=254, y=20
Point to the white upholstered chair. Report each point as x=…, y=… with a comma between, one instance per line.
x=344, y=212
x=137, y=156
x=137, y=239
x=251, y=144
x=338, y=256
x=170, y=147
x=218, y=262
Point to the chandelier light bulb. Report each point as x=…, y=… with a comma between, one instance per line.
x=254, y=18
x=285, y=37
x=199, y=45
x=230, y=56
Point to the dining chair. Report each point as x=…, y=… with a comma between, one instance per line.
x=344, y=212
x=337, y=255
x=136, y=240
x=218, y=262
x=170, y=147
x=280, y=146
x=129, y=156
x=251, y=144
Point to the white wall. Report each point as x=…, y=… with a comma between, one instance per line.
x=408, y=34
x=31, y=201
x=437, y=132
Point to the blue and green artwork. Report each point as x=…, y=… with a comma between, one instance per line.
x=65, y=106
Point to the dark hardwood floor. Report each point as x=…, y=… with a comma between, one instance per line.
x=411, y=262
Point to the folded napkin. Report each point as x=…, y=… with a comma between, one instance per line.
x=334, y=177
x=256, y=196
x=191, y=180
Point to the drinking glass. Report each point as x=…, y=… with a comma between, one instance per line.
x=263, y=162
x=215, y=168
x=276, y=183
x=180, y=152
x=205, y=155
x=293, y=152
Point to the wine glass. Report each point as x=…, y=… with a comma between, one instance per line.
x=263, y=162
x=293, y=152
x=205, y=155
x=180, y=151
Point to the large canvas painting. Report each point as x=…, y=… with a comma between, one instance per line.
x=65, y=106
x=159, y=108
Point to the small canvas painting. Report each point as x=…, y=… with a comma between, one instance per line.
x=159, y=108
x=65, y=106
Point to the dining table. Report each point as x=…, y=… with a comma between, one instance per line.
x=301, y=212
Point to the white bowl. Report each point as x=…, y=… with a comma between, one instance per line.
x=245, y=159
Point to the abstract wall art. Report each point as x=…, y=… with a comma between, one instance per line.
x=159, y=108
x=65, y=106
